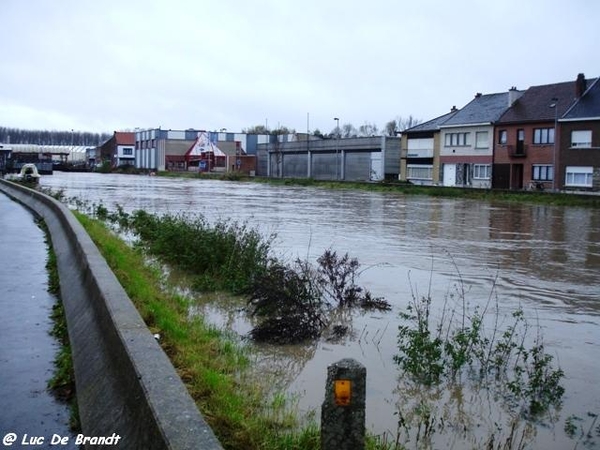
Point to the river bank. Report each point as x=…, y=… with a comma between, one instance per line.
x=563, y=198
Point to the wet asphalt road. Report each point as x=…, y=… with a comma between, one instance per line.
x=27, y=350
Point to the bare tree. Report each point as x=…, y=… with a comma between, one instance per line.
x=262, y=129
x=391, y=128
x=368, y=129
x=283, y=130
x=318, y=133
x=407, y=122
x=348, y=131
x=399, y=124
x=256, y=129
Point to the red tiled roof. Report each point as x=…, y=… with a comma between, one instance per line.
x=125, y=137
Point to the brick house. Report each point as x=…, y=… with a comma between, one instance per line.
x=579, y=156
x=118, y=150
x=466, y=140
x=525, y=154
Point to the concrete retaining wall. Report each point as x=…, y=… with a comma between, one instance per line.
x=125, y=382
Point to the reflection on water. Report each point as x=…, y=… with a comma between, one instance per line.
x=543, y=258
x=449, y=417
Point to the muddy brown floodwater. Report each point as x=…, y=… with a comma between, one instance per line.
x=544, y=259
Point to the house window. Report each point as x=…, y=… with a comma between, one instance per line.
x=456, y=139
x=127, y=151
x=543, y=136
x=482, y=171
x=481, y=139
x=502, y=137
x=581, y=138
x=542, y=173
x=579, y=176
x=421, y=172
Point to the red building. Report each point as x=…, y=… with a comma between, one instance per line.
x=118, y=150
x=527, y=141
x=579, y=158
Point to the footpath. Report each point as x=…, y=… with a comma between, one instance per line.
x=29, y=414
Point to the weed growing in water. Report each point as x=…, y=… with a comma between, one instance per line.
x=459, y=344
x=468, y=350
x=588, y=434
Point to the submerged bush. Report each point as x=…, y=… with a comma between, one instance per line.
x=288, y=303
x=499, y=359
x=292, y=302
x=336, y=278
x=295, y=302
x=474, y=370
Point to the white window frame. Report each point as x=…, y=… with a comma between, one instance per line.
x=482, y=139
x=479, y=168
x=573, y=175
x=542, y=172
x=419, y=168
x=456, y=139
x=581, y=139
x=543, y=136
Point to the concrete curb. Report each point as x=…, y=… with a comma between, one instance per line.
x=126, y=385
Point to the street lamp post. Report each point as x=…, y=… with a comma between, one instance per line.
x=554, y=105
x=72, y=143
x=337, y=143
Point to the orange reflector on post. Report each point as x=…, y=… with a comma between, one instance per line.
x=342, y=392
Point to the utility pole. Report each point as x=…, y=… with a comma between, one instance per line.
x=337, y=144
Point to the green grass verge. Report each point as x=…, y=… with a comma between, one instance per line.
x=214, y=368
x=62, y=383
x=546, y=198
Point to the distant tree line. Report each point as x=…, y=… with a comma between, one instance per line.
x=46, y=137
x=347, y=130
x=262, y=129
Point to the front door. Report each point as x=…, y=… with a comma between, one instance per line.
x=449, y=174
x=516, y=181
x=467, y=174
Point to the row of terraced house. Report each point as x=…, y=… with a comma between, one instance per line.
x=545, y=137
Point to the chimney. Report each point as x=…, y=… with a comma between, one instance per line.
x=580, y=85
x=513, y=95
x=453, y=109
x=478, y=95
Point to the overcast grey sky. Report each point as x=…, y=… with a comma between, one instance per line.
x=105, y=65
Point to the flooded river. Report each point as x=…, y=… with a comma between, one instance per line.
x=544, y=259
